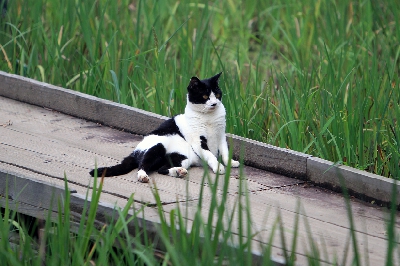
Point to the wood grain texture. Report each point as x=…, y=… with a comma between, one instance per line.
x=38, y=146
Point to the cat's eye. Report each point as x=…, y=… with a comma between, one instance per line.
x=218, y=95
x=205, y=97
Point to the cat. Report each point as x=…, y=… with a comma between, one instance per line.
x=185, y=140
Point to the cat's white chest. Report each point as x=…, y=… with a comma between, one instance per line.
x=195, y=125
x=213, y=136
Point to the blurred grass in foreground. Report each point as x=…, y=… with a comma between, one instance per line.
x=320, y=77
x=216, y=233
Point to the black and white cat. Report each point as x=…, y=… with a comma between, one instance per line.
x=185, y=140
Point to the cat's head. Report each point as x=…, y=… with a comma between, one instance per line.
x=205, y=95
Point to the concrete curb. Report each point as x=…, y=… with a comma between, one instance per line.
x=267, y=157
x=361, y=184
x=78, y=104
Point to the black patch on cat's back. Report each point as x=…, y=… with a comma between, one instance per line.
x=203, y=143
x=169, y=127
x=152, y=158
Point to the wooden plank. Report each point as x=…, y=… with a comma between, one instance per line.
x=323, y=216
x=260, y=155
x=27, y=209
x=29, y=192
x=56, y=144
x=137, y=121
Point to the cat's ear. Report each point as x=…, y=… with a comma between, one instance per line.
x=216, y=77
x=194, y=83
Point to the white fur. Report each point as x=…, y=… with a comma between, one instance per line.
x=208, y=121
x=142, y=176
x=177, y=172
x=172, y=144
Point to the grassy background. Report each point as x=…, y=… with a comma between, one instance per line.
x=320, y=77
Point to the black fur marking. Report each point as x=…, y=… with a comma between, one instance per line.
x=172, y=160
x=213, y=84
x=156, y=158
x=198, y=88
x=127, y=165
x=153, y=158
x=203, y=143
x=168, y=127
x=163, y=170
x=175, y=159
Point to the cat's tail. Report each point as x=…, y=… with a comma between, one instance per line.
x=127, y=165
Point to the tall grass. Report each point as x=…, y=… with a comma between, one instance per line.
x=221, y=235
x=320, y=77
x=65, y=241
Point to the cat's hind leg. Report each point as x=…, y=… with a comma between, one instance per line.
x=142, y=176
x=176, y=165
x=151, y=160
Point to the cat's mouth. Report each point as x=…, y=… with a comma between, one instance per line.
x=211, y=108
x=207, y=109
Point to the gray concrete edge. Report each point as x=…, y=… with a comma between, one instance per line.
x=290, y=163
x=361, y=184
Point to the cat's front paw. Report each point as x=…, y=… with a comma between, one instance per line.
x=142, y=176
x=220, y=169
x=234, y=163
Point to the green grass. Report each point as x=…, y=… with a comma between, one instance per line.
x=217, y=236
x=66, y=241
x=320, y=77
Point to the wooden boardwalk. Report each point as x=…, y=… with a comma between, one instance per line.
x=39, y=146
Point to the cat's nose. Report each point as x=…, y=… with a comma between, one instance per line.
x=214, y=104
